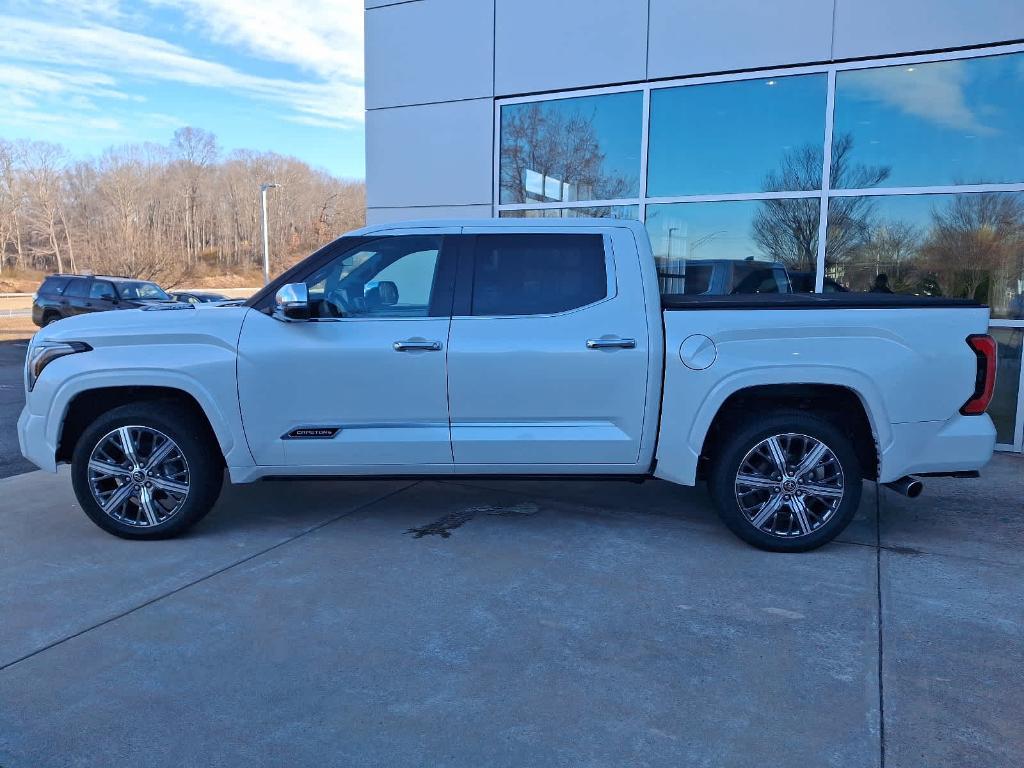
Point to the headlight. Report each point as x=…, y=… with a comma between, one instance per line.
x=45, y=352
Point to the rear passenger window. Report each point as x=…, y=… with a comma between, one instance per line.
x=77, y=288
x=537, y=274
x=53, y=285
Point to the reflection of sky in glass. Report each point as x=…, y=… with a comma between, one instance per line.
x=616, y=120
x=947, y=122
x=705, y=230
x=702, y=230
x=725, y=137
x=598, y=212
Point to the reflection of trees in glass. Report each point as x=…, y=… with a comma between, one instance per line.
x=589, y=212
x=975, y=247
x=972, y=246
x=787, y=230
x=565, y=152
x=890, y=248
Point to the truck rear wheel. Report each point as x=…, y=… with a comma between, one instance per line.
x=788, y=481
x=147, y=471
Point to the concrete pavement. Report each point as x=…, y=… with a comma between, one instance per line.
x=560, y=623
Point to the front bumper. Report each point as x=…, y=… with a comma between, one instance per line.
x=33, y=441
x=962, y=443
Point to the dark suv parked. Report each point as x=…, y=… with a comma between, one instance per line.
x=65, y=295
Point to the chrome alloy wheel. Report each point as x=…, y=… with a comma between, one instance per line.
x=789, y=485
x=138, y=476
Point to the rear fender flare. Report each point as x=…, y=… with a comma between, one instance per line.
x=682, y=467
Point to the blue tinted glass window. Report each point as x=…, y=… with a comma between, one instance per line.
x=1003, y=409
x=585, y=148
x=757, y=246
x=78, y=288
x=589, y=212
x=961, y=246
x=747, y=136
x=537, y=274
x=947, y=122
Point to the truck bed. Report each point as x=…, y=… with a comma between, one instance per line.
x=814, y=301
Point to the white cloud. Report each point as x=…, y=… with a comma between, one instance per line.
x=324, y=37
x=102, y=51
x=25, y=82
x=66, y=124
x=934, y=92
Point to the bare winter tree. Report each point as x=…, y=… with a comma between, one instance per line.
x=196, y=151
x=42, y=177
x=10, y=205
x=787, y=230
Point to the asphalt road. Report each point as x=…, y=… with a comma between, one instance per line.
x=12, y=398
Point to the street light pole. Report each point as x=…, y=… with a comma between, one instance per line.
x=266, y=237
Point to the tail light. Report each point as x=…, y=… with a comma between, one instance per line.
x=984, y=347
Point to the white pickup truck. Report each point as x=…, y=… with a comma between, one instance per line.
x=512, y=348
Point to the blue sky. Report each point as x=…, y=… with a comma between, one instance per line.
x=279, y=75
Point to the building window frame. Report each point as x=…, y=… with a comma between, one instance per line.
x=824, y=194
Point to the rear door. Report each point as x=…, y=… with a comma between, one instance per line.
x=548, y=354
x=75, y=296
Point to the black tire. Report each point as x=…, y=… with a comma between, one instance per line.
x=742, y=438
x=197, y=445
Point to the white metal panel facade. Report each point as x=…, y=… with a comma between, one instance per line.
x=425, y=52
x=885, y=27
x=689, y=37
x=542, y=45
x=432, y=154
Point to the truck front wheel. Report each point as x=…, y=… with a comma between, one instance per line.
x=146, y=471
x=788, y=481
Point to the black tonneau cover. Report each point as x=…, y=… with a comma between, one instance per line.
x=675, y=301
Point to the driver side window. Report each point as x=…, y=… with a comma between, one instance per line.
x=389, y=277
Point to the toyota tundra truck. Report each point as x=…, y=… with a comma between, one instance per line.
x=513, y=348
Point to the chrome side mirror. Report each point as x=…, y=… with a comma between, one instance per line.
x=291, y=302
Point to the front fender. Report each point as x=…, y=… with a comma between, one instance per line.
x=207, y=374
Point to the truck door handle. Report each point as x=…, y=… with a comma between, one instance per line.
x=611, y=343
x=411, y=344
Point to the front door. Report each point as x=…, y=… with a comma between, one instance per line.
x=101, y=297
x=360, y=388
x=548, y=355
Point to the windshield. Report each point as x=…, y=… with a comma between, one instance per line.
x=141, y=290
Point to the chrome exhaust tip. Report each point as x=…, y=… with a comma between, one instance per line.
x=909, y=486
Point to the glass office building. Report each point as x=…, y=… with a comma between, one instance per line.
x=893, y=162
